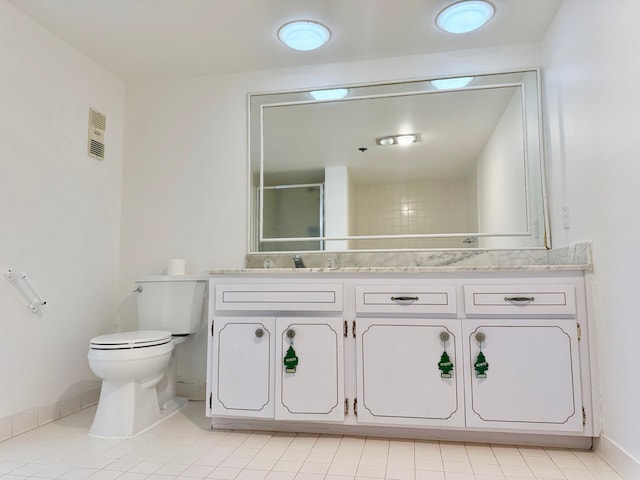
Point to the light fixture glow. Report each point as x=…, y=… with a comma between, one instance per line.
x=397, y=139
x=465, y=16
x=447, y=83
x=304, y=35
x=405, y=139
x=330, y=94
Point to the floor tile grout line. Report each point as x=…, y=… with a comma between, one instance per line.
x=79, y=454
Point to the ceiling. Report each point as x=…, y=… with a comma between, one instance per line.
x=144, y=39
x=309, y=137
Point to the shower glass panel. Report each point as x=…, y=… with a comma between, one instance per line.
x=292, y=211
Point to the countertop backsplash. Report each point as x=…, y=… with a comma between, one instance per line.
x=575, y=257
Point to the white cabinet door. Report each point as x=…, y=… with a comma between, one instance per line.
x=315, y=391
x=399, y=380
x=533, y=376
x=243, y=351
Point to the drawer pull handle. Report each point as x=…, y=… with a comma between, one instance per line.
x=259, y=332
x=519, y=299
x=404, y=299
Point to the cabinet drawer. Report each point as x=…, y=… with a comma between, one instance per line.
x=520, y=299
x=406, y=299
x=279, y=297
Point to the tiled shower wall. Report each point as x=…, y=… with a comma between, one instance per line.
x=434, y=206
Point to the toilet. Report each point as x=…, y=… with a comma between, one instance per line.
x=138, y=368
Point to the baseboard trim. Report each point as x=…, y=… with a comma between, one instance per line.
x=461, y=435
x=191, y=390
x=35, y=417
x=620, y=460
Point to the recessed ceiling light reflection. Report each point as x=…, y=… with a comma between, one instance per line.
x=405, y=139
x=397, y=139
x=448, y=83
x=329, y=94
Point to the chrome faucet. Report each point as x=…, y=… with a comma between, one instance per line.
x=297, y=261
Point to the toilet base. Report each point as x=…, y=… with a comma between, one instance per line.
x=130, y=421
x=167, y=388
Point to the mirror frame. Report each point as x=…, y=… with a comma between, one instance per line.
x=257, y=102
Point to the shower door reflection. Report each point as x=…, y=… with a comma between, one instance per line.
x=292, y=211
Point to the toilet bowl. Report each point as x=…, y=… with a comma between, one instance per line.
x=138, y=368
x=130, y=364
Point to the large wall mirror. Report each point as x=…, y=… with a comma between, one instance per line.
x=423, y=164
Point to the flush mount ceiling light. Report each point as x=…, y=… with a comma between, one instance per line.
x=397, y=139
x=447, y=83
x=330, y=94
x=465, y=16
x=304, y=35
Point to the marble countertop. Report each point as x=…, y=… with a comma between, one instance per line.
x=572, y=258
x=452, y=269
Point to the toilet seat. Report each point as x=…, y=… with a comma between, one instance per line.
x=131, y=340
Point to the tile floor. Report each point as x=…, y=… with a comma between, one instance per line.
x=184, y=447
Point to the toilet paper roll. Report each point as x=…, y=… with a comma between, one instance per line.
x=176, y=266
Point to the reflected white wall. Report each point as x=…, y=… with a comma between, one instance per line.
x=502, y=201
x=336, y=203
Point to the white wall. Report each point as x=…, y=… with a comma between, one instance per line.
x=60, y=216
x=185, y=172
x=502, y=203
x=592, y=73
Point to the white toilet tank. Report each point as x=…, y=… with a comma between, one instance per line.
x=171, y=302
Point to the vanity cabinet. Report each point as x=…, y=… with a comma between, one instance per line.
x=402, y=334
x=315, y=391
x=529, y=376
x=243, y=349
x=484, y=353
x=398, y=378
x=533, y=376
x=251, y=333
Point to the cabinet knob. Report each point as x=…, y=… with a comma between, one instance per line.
x=291, y=333
x=259, y=332
x=444, y=336
x=480, y=337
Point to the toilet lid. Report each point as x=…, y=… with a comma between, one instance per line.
x=128, y=340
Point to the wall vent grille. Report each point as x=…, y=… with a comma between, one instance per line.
x=97, y=126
